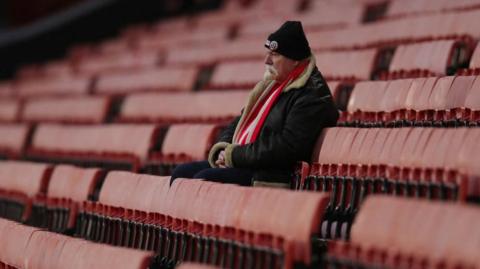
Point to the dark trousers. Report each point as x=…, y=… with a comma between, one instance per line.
x=202, y=170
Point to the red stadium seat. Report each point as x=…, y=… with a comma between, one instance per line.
x=70, y=110
x=9, y=110
x=13, y=139
x=120, y=62
x=237, y=74
x=209, y=106
x=166, y=79
x=355, y=64
x=53, y=86
x=122, y=145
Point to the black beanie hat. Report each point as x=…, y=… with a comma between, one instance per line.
x=290, y=41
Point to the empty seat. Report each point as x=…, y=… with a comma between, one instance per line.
x=75, y=183
x=13, y=138
x=356, y=64
x=475, y=61
x=9, y=110
x=209, y=106
x=54, y=86
x=187, y=142
x=71, y=110
x=416, y=232
x=126, y=61
x=410, y=7
x=166, y=79
x=114, y=144
x=237, y=74
x=434, y=57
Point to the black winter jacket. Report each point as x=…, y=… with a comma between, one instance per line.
x=288, y=134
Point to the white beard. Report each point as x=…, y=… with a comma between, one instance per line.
x=270, y=73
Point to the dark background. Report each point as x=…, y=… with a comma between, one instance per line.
x=35, y=31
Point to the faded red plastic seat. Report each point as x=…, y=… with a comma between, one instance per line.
x=237, y=74
x=9, y=109
x=475, y=60
x=418, y=100
x=433, y=57
x=20, y=183
x=472, y=103
x=71, y=110
x=13, y=139
x=117, y=144
x=186, y=142
x=355, y=64
x=393, y=102
x=158, y=79
x=210, y=106
x=383, y=232
x=54, y=86
x=111, y=63
x=15, y=239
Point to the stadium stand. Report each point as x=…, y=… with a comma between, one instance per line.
x=116, y=146
x=13, y=140
x=20, y=183
x=195, y=213
x=88, y=109
x=380, y=191
x=393, y=233
x=444, y=102
x=413, y=162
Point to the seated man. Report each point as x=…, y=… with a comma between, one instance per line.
x=279, y=125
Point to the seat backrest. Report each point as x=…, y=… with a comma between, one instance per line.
x=192, y=141
x=439, y=232
x=143, y=194
x=54, y=86
x=13, y=138
x=24, y=177
x=15, y=239
x=165, y=79
x=396, y=95
x=362, y=94
x=438, y=97
x=118, y=188
x=115, y=139
x=73, y=182
x=9, y=109
x=79, y=109
x=358, y=64
x=237, y=74
x=475, y=60
x=472, y=99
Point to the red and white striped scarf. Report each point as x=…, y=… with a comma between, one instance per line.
x=250, y=130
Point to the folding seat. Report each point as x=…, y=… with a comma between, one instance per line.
x=68, y=187
x=471, y=104
x=60, y=68
x=467, y=167
x=13, y=139
x=20, y=182
x=9, y=109
x=437, y=101
x=434, y=57
x=43, y=249
x=77, y=85
x=184, y=143
x=158, y=79
x=115, y=63
x=71, y=110
x=454, y=115
x=359, y=100
x=354, y=64
x=475, y=60
x=15, y=239
x=418, y=101
x=210, y=107
x=237, y=74
x=397, y=232
x=393, y=102
x=116, y=146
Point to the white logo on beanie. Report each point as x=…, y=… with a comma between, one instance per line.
x=273, y=45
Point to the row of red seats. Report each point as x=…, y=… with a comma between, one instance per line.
x=203, y=221
x=27, y=247
x=433, y=101
x=411, y=7
x=399, y=31
x=404, y=233
x=351, y=163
